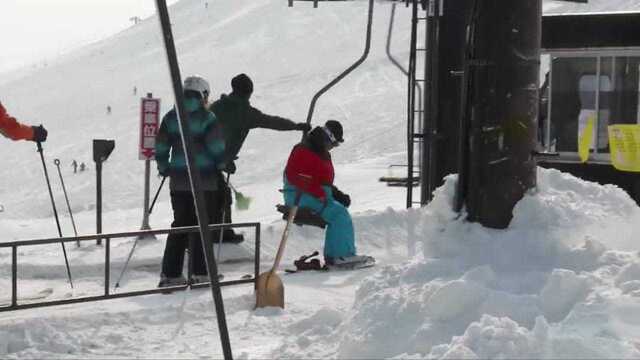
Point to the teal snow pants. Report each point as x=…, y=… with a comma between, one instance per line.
x=339, y=240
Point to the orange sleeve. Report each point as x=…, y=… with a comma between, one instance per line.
x=12, y=129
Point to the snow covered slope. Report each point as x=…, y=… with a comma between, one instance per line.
x=290, y=53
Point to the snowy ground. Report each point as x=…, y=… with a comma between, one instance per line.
x=562, y=282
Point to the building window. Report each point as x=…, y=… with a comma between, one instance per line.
x=588, y=92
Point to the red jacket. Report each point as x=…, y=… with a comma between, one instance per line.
x=308, y=171
x=12, y=129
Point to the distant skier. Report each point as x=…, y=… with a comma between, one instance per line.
x=74, y=165
x=209, y=149
x=12, y=129
x=135, y=90
x=82, y=167
x=310, y=171
x=108, y=109
x=238, y=117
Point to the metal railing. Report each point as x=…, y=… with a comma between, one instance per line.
x=15, y=305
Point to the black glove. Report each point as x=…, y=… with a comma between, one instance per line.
x=341, y=197
x=303, y=127
x=39, y=133
x=230, y=168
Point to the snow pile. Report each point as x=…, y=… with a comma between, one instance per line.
x=541, y=289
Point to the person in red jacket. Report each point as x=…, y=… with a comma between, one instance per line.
x=310, y=173
x=12, y=129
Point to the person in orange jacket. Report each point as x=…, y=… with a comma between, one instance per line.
x=11, y=128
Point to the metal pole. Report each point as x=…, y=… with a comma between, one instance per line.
x=547, y=120
x=99, y=200
x=107, y=266
x=594, y=133
x=146, y=210
x=256, y=262
x=411, y=95
x=411, y=101
x=147, y=176
x=194, y=177
x=224, y=210
x=55, y=212
x=66, y=198
x=429, y=145
x=14, y=275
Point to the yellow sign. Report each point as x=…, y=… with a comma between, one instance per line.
x=625, y=147
x=586, y=139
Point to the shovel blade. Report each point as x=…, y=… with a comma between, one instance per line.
x=269, y=290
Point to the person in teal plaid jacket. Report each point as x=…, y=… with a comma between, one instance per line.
x=209, y=148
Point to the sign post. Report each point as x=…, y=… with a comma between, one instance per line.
x=149, y=124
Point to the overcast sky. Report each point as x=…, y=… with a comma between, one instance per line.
x=32, y=31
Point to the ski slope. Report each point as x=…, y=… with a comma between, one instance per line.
x=562, y=282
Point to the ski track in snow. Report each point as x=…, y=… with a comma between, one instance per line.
x=562, y=282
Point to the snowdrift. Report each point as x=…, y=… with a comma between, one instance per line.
x=547, y=287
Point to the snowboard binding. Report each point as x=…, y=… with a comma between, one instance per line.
x=307, y=262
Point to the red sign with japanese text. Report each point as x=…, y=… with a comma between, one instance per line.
x=149, y=124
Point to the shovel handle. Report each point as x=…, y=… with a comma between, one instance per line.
x=285, y=233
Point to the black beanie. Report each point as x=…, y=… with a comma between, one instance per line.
x=242, y=85
x=336, y=129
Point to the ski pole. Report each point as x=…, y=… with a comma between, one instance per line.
x=224, y=210
x=133, y=248
x=157, y=193
x=66, y=198
x=126, y=264
x=55, y=212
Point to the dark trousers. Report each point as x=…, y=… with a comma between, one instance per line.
x=184, y=214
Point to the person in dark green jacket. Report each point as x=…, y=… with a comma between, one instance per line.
x=209, y=150
x=238, y=117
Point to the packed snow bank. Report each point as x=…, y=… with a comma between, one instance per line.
x=547, y=287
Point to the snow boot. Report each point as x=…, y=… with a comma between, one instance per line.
x=203, y=279
x=166, y=281
x=199, y=279
x=229, y=236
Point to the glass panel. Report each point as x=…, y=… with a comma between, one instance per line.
x=543, y=111
x=573, y=99
x=624, y=98
x=603, y=102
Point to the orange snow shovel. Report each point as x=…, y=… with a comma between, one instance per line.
x=269, y=287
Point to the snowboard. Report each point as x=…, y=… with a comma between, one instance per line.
x=353, y=263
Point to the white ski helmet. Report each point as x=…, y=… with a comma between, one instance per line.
x=198, y=84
